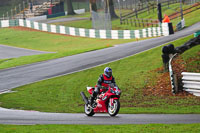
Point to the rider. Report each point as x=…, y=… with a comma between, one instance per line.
x=104, y=80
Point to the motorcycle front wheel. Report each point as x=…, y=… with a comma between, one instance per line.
x=89, y=110
x=113, y=110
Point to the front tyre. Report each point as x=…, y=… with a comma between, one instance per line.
x=89, y=110
x=113, y=110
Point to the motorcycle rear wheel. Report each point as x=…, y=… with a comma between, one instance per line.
x=113, y=110
x=89, y=111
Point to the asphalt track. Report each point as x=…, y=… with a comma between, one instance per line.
x=14, y=52
x=14, y=77
x=21, y=117
x=62, y=20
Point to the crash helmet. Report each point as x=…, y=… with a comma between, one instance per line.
x=108, y=72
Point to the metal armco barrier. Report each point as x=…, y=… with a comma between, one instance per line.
x=173, y=77
x=191, y=82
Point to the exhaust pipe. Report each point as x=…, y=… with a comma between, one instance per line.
x=85, y=99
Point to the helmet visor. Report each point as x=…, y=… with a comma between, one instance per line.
x=109, y=74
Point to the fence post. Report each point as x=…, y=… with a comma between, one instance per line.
x=168, y=3
x=23, y=5
x=7, y=16
x=131, y=21
x=135, y=22
x=147, y=7
x=146, y=22
x=142, y=22
x=139, y=22
x=11, y=13
x=136, y=10
x=27, y=3
x=19, y=7
x=15, y=12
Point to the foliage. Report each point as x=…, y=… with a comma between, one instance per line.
x=131, y=128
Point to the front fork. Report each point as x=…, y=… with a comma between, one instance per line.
x=111, y=102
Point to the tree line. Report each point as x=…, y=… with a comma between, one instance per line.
x=93, y=7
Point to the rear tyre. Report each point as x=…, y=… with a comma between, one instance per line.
x=113, y=110
x=89, y=110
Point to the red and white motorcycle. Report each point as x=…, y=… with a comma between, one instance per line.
x=106, y=102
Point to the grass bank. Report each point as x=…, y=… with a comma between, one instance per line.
x=167, y=128
x=63, y=45
x=62, y=94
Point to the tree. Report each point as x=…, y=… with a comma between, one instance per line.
x=93, y=5
x=112, y=9
x=70, y=10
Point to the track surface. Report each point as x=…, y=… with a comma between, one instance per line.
x=14, y=77
x=32, y=117
x=62, y=20
x=14, y=52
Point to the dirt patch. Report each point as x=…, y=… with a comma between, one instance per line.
x=163, y=84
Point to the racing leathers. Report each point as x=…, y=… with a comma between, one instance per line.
x=103, y=81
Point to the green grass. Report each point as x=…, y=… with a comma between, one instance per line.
x=85, y=15
x=167, y=128
x=192, y=62
x=62, y=45
x=189, y=18
x=62, y=94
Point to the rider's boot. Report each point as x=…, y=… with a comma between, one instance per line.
x=91, y=100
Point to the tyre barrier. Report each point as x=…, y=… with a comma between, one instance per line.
x=169, y=52
x=191, y=43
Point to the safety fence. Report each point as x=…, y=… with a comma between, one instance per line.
x=191, y=82
x=173, y=78
x=163, y=29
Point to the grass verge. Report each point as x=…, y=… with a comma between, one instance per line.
x=63, y=45
x=167, y=128
x=62, y=94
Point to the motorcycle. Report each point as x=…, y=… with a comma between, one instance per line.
x=106, y=102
